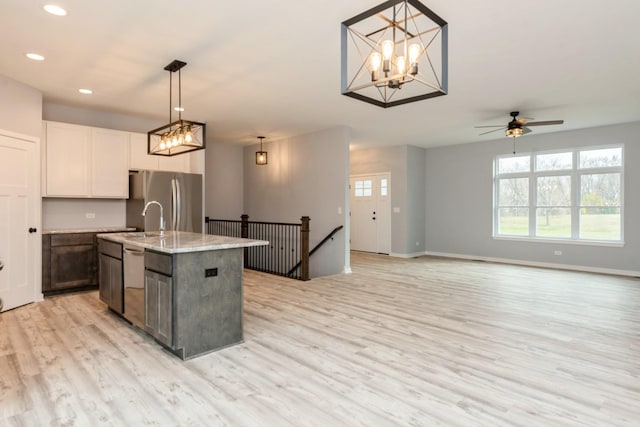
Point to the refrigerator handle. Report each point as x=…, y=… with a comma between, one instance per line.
x=179, y=204
x=174, y=203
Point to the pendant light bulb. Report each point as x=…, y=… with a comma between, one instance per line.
x=387, y=49
x=376, y=62
x=387, y=52
x=401, y=65
x=414, y=53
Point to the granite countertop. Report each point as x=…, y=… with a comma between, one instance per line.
x=88, y=230
x=181, y=241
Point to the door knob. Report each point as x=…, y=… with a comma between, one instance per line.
x=374, y=218
x=1, y=265
x=32, y=230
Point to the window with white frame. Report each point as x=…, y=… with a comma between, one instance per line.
x=571, y=194
x=363, y=188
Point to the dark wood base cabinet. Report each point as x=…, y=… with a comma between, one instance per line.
x=111, y=275
x=193, y=300
x=69, y=262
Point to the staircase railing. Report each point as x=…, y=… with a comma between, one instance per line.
x=316, y=247
x=288, y=244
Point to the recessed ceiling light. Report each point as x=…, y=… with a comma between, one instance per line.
x=54, y=10
x=35, y=56
x=181, y=109
x=85, y=91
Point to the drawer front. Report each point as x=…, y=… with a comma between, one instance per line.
x=110, y=248
x=160, y=263
x=72, y=239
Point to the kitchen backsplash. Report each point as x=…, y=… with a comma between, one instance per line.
x=82, y=213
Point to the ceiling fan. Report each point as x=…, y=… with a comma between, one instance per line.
x=519, y=126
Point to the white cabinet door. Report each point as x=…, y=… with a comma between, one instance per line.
x=178, y=163
x=109, y=163
x=139, y=159
x=66, y=151
x=196, y=159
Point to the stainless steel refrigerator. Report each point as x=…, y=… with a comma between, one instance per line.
x=180, y=195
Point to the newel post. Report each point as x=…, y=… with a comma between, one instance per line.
x=244, y=233
x=304, y=246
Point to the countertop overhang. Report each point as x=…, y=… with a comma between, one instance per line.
x=180, y=241
x=87, y=230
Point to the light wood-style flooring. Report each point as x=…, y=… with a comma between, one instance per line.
x=400, y=342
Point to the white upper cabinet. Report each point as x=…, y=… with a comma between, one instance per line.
x=81, y=161
x=109, y=163
x=140, y=160
x=65, y=152
x=174, y=163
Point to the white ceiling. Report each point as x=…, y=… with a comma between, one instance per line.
x=273, y=67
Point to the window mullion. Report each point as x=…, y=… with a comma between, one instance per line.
x=533, y=201
x=576, y=192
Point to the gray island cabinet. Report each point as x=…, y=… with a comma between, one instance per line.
x=192, y=300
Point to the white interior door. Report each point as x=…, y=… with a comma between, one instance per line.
x=371, y=213
x=18, y=214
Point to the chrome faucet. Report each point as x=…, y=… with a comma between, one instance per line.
x=146, y=208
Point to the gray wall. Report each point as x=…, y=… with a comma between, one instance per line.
x=416, y=200
x=407, y=167
x=459, y=191
x=97, y=118
x=306, y=175
x=20, y=108
x=223, y=181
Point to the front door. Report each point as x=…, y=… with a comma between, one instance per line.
x=371, y=213
x=18, y=214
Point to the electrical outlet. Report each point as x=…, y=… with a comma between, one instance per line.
x=90, y=215
x=396, y=209
x=557, y=252
x=339, y=210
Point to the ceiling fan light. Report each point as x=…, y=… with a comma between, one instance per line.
x=514, y=132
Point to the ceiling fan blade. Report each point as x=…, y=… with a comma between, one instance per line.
x=545, y=123
x=495, y=130
x=490, y=126
x=526, y=131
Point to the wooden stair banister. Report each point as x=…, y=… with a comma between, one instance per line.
x=316, y=247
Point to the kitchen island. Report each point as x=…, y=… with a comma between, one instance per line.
x=191, y=298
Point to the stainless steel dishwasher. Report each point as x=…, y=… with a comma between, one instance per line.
x=134, y=285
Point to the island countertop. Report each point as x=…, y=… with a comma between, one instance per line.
x=180, y=241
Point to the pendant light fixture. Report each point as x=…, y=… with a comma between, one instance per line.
x=261, y=156
x=181, y=136
x=395, y=53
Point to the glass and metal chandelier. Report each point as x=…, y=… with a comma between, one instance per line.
x=181, y=136
x=395, y=53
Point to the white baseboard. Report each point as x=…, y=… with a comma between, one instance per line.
x=539, y=264
x=413, y=255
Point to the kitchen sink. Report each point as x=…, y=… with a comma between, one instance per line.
x=142, y=235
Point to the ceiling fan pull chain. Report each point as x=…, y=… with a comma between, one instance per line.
x=514, y=146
